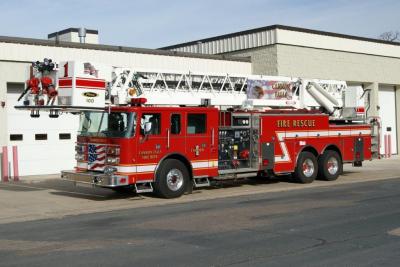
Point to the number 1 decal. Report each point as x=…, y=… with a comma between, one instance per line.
x=66, y=70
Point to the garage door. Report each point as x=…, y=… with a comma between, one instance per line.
x=45, y=145
x=387, y=112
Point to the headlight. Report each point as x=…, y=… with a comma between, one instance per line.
x=79, y=157
x=112, y=160
x=80, y=148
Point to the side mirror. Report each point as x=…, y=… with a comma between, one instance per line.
x=147, y=128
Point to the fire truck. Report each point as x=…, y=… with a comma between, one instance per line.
x=167, y=132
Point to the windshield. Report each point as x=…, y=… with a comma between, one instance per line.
x=104, y=124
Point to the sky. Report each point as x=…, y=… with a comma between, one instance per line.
x=157, y=23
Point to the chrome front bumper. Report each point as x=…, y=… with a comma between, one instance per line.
x=94, y=178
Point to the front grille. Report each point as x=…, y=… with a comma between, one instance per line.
x=96, y=156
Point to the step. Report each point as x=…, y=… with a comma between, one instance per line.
x=143, y=187
x=201, y=182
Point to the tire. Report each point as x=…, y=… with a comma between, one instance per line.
x=306, y=168
x=172, y=179
x=330, y=166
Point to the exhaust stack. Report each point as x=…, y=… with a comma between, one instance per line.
x=82, y=35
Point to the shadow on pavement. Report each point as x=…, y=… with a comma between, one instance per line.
x=98, y=197
x=67, y=189
x=12, y=186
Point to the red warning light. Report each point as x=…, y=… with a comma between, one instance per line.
x=138, y=101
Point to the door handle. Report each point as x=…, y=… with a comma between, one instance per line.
x=168, y=138
x=212, y=136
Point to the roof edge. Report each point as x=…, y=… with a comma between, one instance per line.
x=266, y=28
x=340, y=35
x=53, y=43
x=281, y=27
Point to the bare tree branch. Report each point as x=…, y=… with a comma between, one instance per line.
x=390, y=36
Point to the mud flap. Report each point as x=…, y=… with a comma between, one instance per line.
x=267, y=156
x=358, y=152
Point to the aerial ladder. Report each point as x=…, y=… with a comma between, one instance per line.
x=50, y=84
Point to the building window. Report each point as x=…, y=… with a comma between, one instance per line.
x=64, y=136
x=40, y=136
x=196, y=123
x=175, y=124
x=16, y=137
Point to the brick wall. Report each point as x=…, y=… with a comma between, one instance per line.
x=264, y=59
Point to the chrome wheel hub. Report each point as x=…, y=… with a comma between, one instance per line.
x=332, y=165
x=174, y=179
x=308, y=168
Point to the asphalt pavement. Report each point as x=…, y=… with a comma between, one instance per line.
x=355, y=224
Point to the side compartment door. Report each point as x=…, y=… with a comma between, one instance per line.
x=266, y=153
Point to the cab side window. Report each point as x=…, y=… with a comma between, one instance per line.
x=117, y=122
x=196, y=123
x=153, y=120
x=175, y=123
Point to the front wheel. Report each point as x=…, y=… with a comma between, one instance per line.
x=306, y=168
x=172, y=179
x=330, y=166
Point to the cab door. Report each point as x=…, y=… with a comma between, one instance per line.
x=151, y=143
x=176, y=141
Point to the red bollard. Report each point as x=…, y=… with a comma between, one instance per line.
x=15, y=164
x=4, y=164
x=388, y=144
x=385, y=145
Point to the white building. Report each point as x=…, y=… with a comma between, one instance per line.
x=47, y=145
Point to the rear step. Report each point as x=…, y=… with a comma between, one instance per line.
x=201, y=182
x=143, y=187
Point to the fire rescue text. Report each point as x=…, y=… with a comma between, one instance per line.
x=295, y=123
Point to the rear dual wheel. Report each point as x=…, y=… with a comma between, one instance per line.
x=330, y=165
x=306, y=168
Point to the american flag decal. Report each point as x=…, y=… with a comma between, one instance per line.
x=96, y=157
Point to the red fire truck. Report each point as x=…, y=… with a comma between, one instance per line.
x=170, y=147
